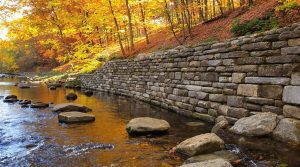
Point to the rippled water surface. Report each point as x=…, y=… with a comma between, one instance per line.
x=33, y=137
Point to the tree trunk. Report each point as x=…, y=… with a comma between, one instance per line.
x=220, y=6
x=144, y=24
x=117, y=27
x=130, y=25
x=205, y=10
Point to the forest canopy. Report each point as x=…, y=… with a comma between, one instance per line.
x=79, y=35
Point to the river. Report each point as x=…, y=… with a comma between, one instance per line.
x=33, y=137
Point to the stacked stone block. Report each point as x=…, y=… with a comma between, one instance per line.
x=235, y=78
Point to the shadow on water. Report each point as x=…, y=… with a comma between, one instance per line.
x=33, y=137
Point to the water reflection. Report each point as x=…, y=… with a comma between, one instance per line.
x=34, y=136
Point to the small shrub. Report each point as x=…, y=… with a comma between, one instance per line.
x=287, y=6
x=268, y=22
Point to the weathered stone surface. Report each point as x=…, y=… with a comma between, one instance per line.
x=270, y=70
x=295, y=78
x=145, y=125
x=75, y=117
x=67, y=107
x=270, y=91
x=217, y=97
x=71, y=96
x=290, y=50
x=294, y=42
x=291, y=111
x=267, y=80
x=272, y=109
x=209, y=163
x=237, y=112
x=248, y=90
x=224, y=154
x=238, y=77
x=235, y=101
x=204, y=143
x=204, y=117
x=288, y=131
x=256, y=46
x=256, y=125
x=219, y=126
x=258, y=100
x=291, y=94
x=279, y=44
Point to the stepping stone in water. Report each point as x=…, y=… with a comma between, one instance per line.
x=204, y=143
x=71, y=96
x=75, y=117
x=195, y=124
x=146, y=125
x=67, y=107
x=39, y=105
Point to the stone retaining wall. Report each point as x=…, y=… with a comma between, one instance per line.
x=235, y=78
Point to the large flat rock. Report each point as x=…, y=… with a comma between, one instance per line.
x=145, y=125
x=256, y=125
x=75, y=117
x=223, y=154
x=209, y=163
x=201, y=144
x=288, y=131
x=67, y=107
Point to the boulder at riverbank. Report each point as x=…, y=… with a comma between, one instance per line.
x=209, y=163
x=75, y=117
x=146, y=125
x=223, y=154
x=201, y=144
x=256, y=125
x=67, y=107
x=288, y=131
x=39, y=105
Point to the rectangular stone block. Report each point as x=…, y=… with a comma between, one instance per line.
x=268, y=80
x=259, y=100
x=245, y=68
x=209, y=76
x=256, y=46
x=217, y=98
x=203, y=104
x=294, y=42
x=204, y=117
x=248, y=90
x=270, y=91
x=270, y=70
x=201, y=110
x=291, y=94
x=279, y=44
x=291, y=111
x=250, y=60
x=202, y=95
x=235, y=101
x=295, y=78
x=238, y=77
x=290, y=50
x=237, y=112
x=273, y=109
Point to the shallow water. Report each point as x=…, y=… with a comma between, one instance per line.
x=33, y=137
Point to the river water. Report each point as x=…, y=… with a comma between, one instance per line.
x=33, y=137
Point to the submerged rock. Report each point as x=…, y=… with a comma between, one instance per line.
x=24, y=102
x=146, y=125
x=23, y=85
x=195, y=124
x=209, y=163
x=88, y=93
x=71, y=96
x=201, y=144
x=11, y=97
x=256, y=125
x=39, y=105
x=224, y=154
x=52, y=87
x=288, y=131
x=219, y=126
x=67, y=107
x=10, y=100
x=75, y=117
